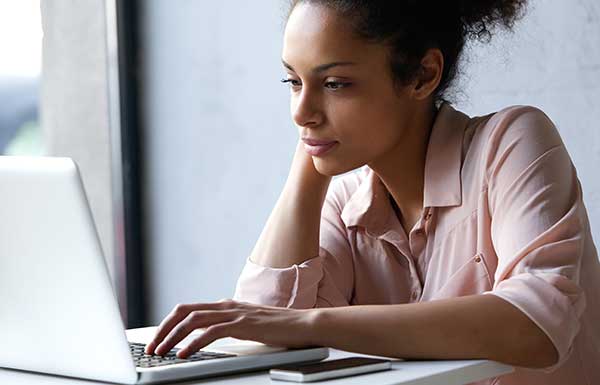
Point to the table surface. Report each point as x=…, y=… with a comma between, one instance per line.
x=441, y=372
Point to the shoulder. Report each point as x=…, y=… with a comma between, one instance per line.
x=517, y=138
x=518, y=123
x=515, y=130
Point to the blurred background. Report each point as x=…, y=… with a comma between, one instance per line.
x=175, y=113
x=20, y=68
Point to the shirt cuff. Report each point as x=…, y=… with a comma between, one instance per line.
x=548, y=307
x=293, y=287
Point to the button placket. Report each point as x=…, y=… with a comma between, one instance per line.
x=416, y=241
x=403, y=244
x=414, y=296
x=416, y=283
x=428, y=219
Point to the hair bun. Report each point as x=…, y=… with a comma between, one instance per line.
x=480, y=17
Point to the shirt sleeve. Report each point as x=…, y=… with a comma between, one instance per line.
x=538, y=225
x=325, y=280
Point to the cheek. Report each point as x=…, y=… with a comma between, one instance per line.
x=351, y=153
x=367, y=130
x=362, y=147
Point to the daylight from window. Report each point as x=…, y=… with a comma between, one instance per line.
x=20, y=68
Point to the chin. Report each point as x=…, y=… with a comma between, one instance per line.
x=330, y=167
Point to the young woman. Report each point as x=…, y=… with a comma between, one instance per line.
x=458, y=238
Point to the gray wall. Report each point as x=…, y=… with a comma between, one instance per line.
x=218, y=144
x=219, y=135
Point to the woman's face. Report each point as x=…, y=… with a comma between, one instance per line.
x=342, y=92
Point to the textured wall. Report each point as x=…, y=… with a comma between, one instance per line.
x=219, y=135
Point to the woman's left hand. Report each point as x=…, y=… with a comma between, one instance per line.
x=227, y=318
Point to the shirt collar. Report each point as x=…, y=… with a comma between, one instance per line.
x=370, y=206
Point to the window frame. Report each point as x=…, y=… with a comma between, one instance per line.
x=122, y=33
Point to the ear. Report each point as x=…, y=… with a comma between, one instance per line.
x=430, y=74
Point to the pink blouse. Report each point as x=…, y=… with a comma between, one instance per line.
x=503, y=216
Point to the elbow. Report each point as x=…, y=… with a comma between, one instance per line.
x=527, y=345
x=538, y=353
x=544, y=356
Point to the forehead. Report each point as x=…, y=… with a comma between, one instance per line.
x=316, y=34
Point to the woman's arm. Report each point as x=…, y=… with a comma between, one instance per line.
x=291, y=234
x=471, y=327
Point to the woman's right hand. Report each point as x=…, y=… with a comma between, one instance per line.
x=291, y=234
x=303, y=169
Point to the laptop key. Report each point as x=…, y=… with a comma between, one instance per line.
x=143, y=360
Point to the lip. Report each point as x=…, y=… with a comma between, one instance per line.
x=317, y=147
x=317, y=142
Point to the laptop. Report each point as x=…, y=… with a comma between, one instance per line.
x=59, y=312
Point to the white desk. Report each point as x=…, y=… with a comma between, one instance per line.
x=403, y=372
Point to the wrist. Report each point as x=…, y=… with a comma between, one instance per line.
x=316, y=324
x=303, y=169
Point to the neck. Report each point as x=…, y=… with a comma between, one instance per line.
x=402, y=169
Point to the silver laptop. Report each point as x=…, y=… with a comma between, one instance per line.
x=59, y=314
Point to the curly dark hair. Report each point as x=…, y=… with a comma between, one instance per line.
x=411, y=27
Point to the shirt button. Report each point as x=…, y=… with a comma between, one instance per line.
x=478, y=258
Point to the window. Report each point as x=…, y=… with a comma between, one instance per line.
x=20, y=68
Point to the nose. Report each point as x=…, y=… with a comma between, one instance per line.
x=306, y=110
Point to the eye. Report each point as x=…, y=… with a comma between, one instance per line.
x=334, y=86
x=292, y=82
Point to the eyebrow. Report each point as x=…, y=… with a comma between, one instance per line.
x=322, y=67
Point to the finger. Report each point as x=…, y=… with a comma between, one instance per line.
x=179, y=313
x=176, y=315
x=212, y=333
x=195, y=320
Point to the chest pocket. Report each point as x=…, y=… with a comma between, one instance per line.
x=471, y=278
x=458, y=276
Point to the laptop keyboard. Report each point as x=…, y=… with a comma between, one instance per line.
x=143, y=360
